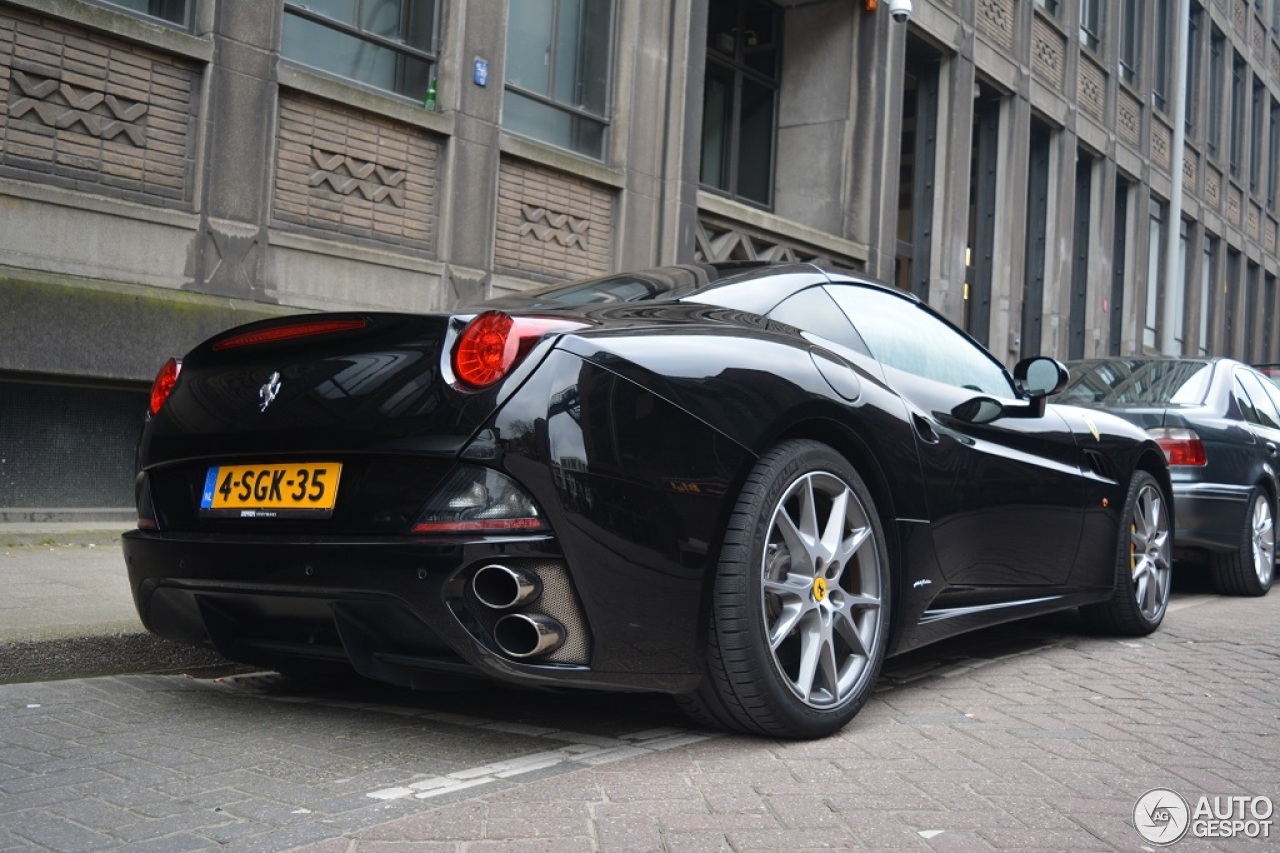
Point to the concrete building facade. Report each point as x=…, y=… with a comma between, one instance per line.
x=1067, y=177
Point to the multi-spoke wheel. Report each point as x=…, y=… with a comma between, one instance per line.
x=800, y=609
x=1144, y=563
x=1249, y=569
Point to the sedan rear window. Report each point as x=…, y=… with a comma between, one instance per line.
x=1130, y=382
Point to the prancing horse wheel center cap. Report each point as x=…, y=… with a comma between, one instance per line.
x=819, y=589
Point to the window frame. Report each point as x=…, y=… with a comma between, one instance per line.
x=739, y=71
x=1217, y=60
x=431, y=56
x=1129, y=59
x=1191, y=74
x=1160, y=58
x=604, y=119
x=1273, y=152
x=1091, y=33
x=188, y=12
x=1257, y=119
x=1239, y=73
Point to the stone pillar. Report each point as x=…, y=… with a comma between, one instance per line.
x=227, y=256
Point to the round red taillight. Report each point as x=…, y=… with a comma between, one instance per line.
x=486, y=349
x=494, y=342
x=163, y=386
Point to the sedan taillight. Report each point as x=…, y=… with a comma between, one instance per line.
x=1180, y=446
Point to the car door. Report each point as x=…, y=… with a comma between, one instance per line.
x=1005, y=499
x=1262, y=419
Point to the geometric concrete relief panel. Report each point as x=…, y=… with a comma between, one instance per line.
x=1048, y=48
x=1235, y=206
x=551, y=223
x=80, y=109
x=1213, y=188
x=719, y=239
x=995, y=18
x=1129, y=118
x=1190, y=167
x=1092, y=88
x=342, y=171
x=1161, y=143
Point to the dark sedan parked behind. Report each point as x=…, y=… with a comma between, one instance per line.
x=742, y=486
x=1219, y=423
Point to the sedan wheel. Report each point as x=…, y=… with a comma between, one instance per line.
x=1250, y=569
x=800, y=609
x=1144, y=565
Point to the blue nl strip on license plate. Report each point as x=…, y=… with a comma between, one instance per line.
x=210, y=483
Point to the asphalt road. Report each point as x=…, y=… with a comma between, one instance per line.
x=1034, y=736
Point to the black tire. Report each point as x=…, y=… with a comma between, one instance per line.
x=1251, y=568
x=779, y=574
x=1144, y=564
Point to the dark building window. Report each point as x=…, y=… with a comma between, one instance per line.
x=558, y=72
x=385, y=44
x=1160, y=41
x=173, y=11
x=1239, y=71
x=1273, y=154
x=1256, y=124
x=1053, y=7
x=1091, y=24
x=1217, y=57
x=740, y=98
x=1130, y=40
x=1192, y=71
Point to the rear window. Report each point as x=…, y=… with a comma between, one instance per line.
x=1271, y=371
x=1125, y=382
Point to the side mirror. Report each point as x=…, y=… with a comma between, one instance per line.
x=979, y=410
x=1040, y=377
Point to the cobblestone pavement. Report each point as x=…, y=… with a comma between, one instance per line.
x=1034, y=736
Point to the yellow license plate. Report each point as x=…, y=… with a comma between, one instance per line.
x=271, y=491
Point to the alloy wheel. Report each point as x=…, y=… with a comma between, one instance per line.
x=1149, y=553
x=821, y=595
x=1264, y=540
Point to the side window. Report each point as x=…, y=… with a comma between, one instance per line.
x=1263, y=406
x=387, y=45
x=903, y=334
x=813, y=311
x=558, y=66
x=1247, y=411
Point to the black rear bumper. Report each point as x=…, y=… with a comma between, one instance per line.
x=395, y=610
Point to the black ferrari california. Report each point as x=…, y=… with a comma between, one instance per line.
x=744, y=485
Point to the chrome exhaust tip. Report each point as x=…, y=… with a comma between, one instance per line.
x=526, y=635
x=500, y=587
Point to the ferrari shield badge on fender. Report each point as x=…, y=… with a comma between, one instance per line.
x=269, y=391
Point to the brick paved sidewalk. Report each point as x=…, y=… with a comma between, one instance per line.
x=1043, y=747
x=1032, y=736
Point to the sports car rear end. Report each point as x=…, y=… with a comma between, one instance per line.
x=331, y=492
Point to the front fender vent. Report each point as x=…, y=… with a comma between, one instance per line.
x=1100, y=466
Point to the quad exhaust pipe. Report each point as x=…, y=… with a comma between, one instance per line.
x=526, y=635
x=500, y=587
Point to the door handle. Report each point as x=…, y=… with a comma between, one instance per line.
x=924, y=429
